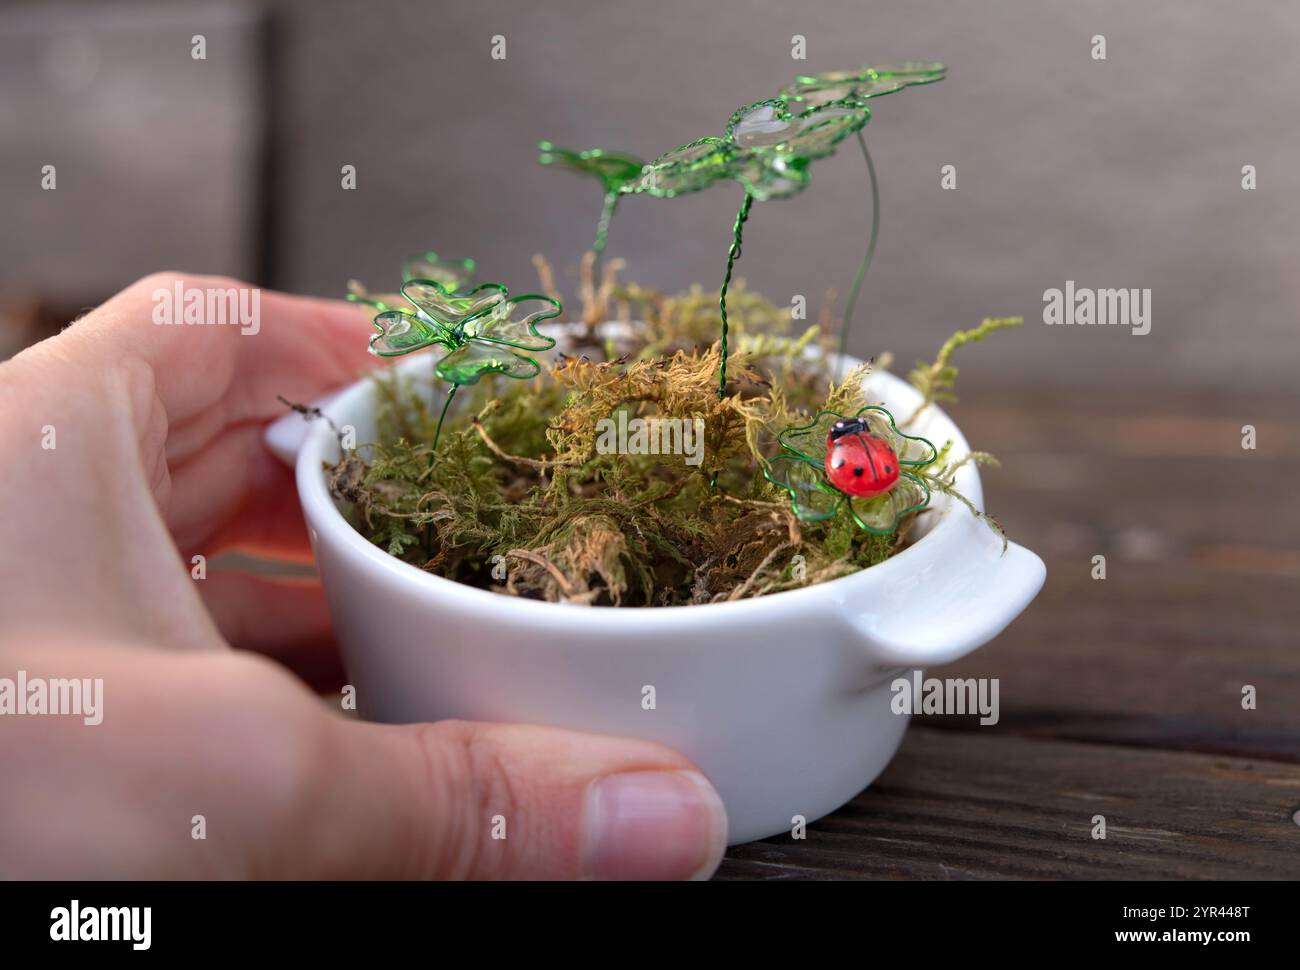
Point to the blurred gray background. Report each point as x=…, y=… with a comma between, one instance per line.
x=1117, y=173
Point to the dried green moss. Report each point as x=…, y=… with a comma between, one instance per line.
x=518, y=498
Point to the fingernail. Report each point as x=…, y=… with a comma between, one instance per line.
x=654, y=825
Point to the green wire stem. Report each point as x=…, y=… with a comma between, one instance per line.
x=438, y=433
x=602, y=232
x=732, y=255
x=866, y=259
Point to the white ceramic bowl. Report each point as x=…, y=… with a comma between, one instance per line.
x=783, y=701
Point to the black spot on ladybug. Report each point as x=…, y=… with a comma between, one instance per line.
x=888, y=470
x=858, y=471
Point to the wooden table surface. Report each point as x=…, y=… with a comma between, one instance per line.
x=1120, y=697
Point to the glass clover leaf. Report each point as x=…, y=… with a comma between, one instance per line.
x=812, y=497
x=613, y=169
x=357, y=293
x=772, y=178
x=402, y=332
x=781, y=144
x=768, y=126
x=882, y=514
x=687, y=168
x=858, y=86
x=513, y=322
x=766, y=148
x=800, y=470
x=438, y=305
x=454, y=274
x=470, y=361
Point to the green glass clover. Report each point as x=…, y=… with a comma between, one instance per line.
x=482, y=329
x=468, y=360
x=766, y=148
x=613, y=169
x=485, y=317
x=799, y=469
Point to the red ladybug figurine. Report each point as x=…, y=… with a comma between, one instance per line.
x=858, y=462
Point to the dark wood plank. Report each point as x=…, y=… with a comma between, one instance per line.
x=1159, y=473
x=1202, y=542
x=987, y=805
x=1155, y=656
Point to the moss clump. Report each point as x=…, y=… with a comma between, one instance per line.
x=518, y=498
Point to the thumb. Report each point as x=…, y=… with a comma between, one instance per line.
x=292, y=790
x=460, y=800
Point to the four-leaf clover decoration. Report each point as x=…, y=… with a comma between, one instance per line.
x=483, y=329
x=800, y=469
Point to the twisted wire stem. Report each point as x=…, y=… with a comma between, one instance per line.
x=732, y=255
x=866, y=259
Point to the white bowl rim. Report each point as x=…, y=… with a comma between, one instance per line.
x=319, y=507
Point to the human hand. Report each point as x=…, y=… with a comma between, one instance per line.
x=157, y=456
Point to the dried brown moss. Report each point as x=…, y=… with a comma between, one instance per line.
x=519, y=499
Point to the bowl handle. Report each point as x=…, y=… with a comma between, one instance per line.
x=942, y=599
x=285, y=435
